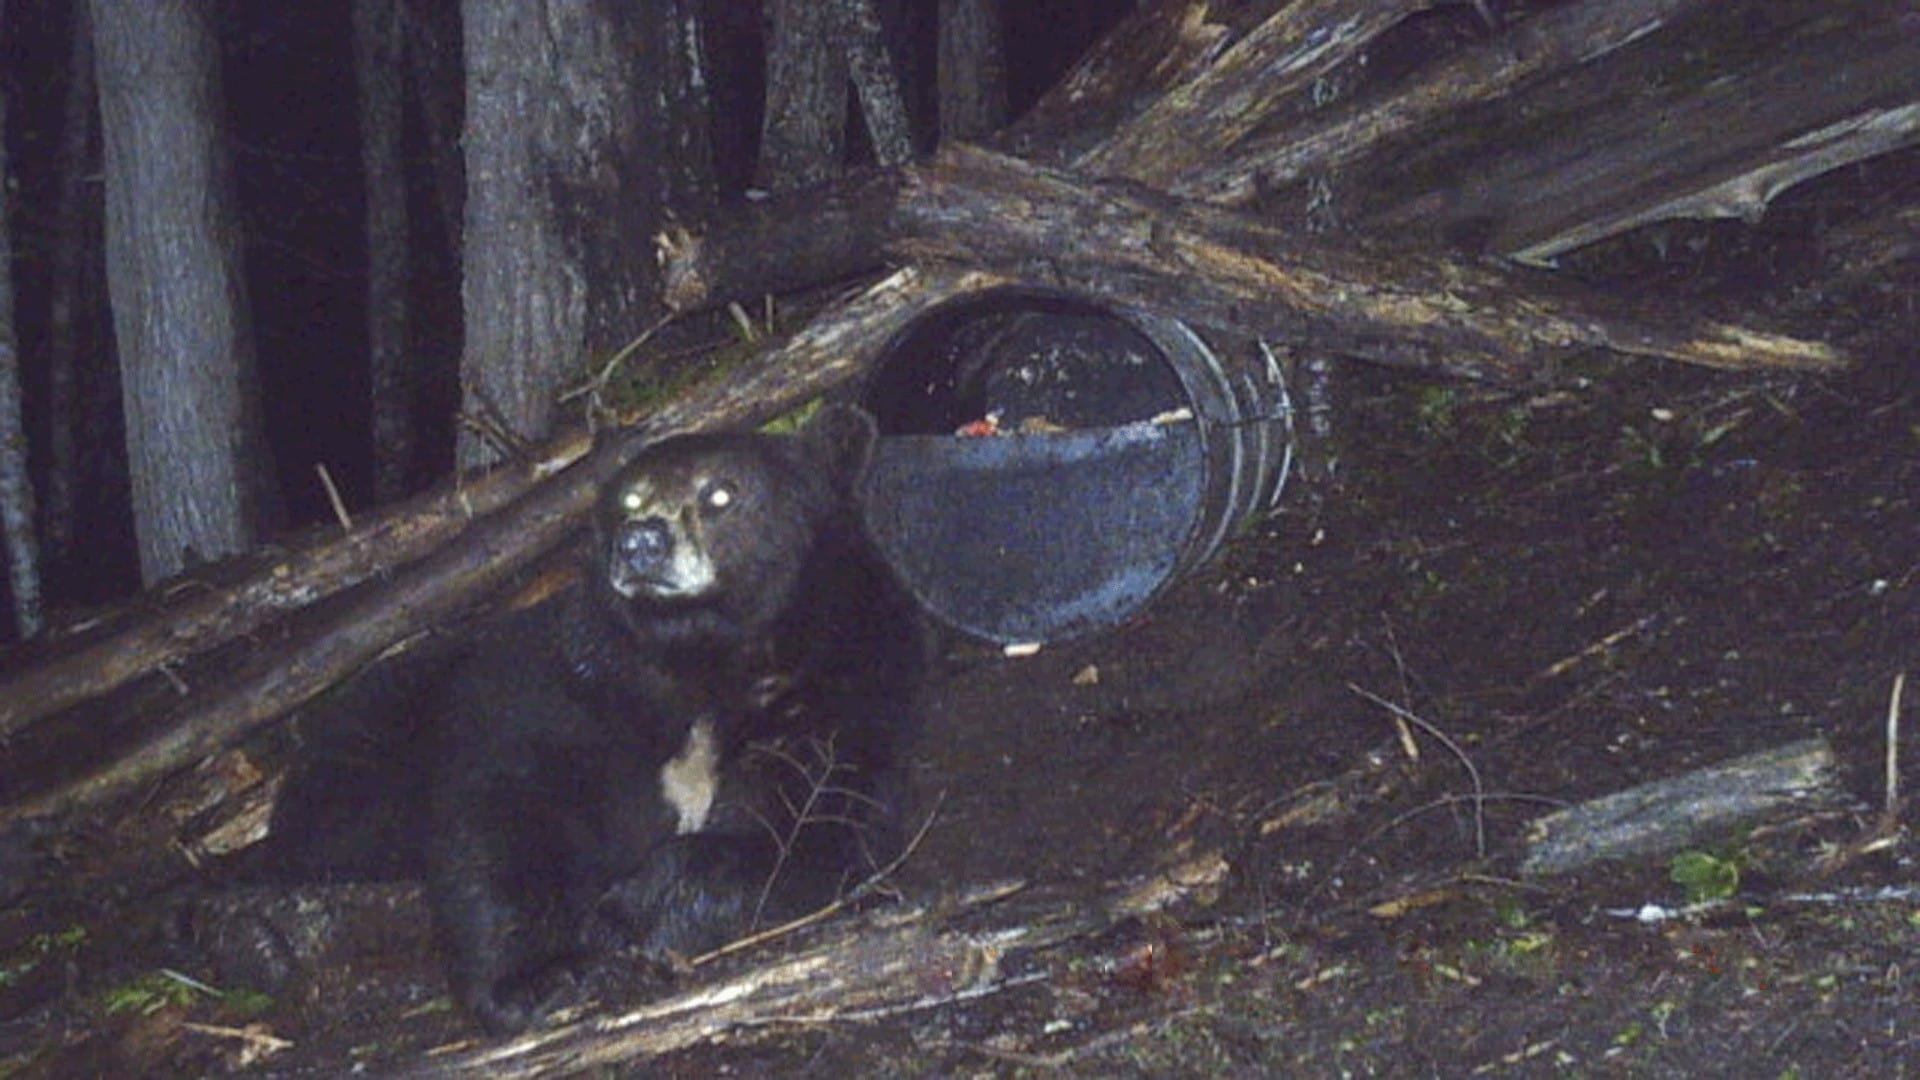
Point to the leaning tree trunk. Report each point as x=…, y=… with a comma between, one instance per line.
x=194, y=444
x=565, y=180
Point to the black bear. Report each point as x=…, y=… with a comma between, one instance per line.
x=703, y=738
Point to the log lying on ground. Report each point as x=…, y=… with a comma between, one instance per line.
x=899, y=963
x=1264, y=71
x=1700, y=807
x=208, y=617
x=326, y=648
x=1554, y=39
x=1662, y=129
x=834, y=232
x=1215, y=266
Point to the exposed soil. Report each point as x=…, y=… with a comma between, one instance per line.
x=1582, y=589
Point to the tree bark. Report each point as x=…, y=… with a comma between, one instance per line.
x=432, y=35
x=826, y=233
x=1554, y=39
x=1694, y=808
x=376, y=62
x=16, y=487
x=972, y=69
x=804, y=134
x=195, y=449
x=1160, y=45
x=564, y=187
x=690, y=187
x=1663, y=129
x=874, y=81
x=72, y=215
x=1192, y=123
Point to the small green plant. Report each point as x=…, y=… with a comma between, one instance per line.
x=246, y=1002
x=1510, y=912
x=154, y=991
x=1436, y=410
x=40, y=946
x=1704, y=877
x=790, y=422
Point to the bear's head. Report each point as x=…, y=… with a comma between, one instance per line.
x=704, y=539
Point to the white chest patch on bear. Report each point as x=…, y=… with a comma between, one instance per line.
x=688, y=782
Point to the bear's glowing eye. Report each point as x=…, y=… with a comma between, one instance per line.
x=718, y=495
x=633, y=501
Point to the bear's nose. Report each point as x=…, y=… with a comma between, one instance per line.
x=645, y=544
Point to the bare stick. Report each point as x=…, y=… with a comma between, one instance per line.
x=840, y=904
x=333, y=499
x=1473, y=772
x=1893, y=745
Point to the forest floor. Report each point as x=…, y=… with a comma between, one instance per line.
x=1497, y=605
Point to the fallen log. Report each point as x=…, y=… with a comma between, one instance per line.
x=1214, y=266
x=833, y=232
x=894, y=964
x=1547, y=42
x=1695, y=808
x=206, y=617
x=1195, y=120
x=1662, y=129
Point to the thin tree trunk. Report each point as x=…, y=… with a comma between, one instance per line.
x=74, y=165
x=564, y=186
x=376, y=61
x=690, y=186
x=803, y=142
x=874, y=79
x=972, y=73
x=177, y=287
x=972, y=68
x=433, y=63
x=16, y=488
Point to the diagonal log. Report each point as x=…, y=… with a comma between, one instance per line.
x=1212, y=265
x=1668, y=127
x=1554, y=39
x=211, y=615
x=1263, y=72
x=328, y=646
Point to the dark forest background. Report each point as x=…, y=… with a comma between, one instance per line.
x=288, y=74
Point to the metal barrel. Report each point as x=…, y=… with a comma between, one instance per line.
x=1048, y=464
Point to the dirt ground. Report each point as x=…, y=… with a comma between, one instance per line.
x=1488, y=605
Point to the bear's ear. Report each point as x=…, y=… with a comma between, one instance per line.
x=840, y=437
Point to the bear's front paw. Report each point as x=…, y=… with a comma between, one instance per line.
x=520, y=1001
x=693, y=894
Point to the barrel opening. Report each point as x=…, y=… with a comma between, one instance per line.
x=1048, y=463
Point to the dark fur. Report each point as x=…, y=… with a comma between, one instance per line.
x=550, y=840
